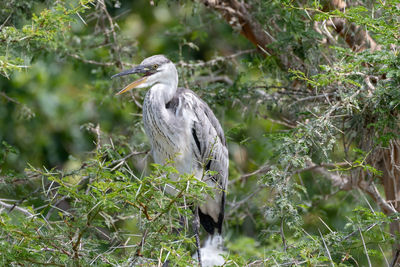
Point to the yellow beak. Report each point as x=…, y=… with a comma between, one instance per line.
x=132, y=85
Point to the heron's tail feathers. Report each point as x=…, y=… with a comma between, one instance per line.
x=211, y=252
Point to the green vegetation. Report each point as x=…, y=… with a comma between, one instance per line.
x=307, y=93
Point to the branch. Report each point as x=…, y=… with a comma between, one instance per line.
x=347, y=183
x=355, y=36
x=236, y=205
x=214, y=79
x=371, y=189
x=9, y=98
x=344, y=183
x=313, y=97
x=11, y=207
x=115, y=47
x=215, y=60
x=5, y=21
x=122, y=160
x=98, y=63
x=244, y=177
x=237, y=15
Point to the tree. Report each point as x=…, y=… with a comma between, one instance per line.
x=311, y=116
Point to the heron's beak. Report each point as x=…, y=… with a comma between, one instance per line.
x=137, y=69
x=132, y=85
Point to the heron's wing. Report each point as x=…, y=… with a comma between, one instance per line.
x=209, y=146
x=208, y=139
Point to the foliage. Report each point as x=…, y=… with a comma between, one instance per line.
x=73, y=178
x=89, y=232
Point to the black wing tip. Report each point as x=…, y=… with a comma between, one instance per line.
x=209, y=224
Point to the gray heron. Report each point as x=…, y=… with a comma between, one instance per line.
x=182, y=127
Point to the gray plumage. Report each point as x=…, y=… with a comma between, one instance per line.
x=181, y=127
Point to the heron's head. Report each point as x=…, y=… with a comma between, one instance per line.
x=155, y=69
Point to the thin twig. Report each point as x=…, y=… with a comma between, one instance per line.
x=369, y=227
x=313, y=166
x=326, y=247
x=263, y=169
x=142, y=241
x=9, y=98
x=236, y=205
x=384, y=256
x=134, y=153
x=283, y=235
x=5, y=22
x=310, y=98
x=330, y=230
x=115, y=47
x=365, y=248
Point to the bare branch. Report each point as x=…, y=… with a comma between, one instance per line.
x=326, y=248
x=98, y=63
x=371, y=189
x=365, y=248
x=24, y=211
x=5, y=21
x=9, y=98
x=215, y=60
x=213, y=79
x=263, y=169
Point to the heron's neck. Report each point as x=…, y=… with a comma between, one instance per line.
x=154, y=108
x=163, y=92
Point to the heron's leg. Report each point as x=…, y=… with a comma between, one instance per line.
x=196, y=225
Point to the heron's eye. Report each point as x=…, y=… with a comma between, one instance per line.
x=155, y=66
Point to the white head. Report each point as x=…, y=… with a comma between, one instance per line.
x=156, y=69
